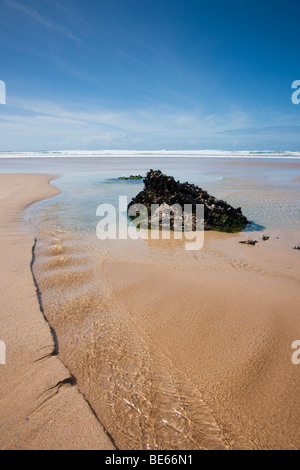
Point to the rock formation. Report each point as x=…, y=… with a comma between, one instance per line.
x=164, y=190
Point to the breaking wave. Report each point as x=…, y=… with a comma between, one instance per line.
x=256, y=154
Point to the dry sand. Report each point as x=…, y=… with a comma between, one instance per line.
x=39, y=407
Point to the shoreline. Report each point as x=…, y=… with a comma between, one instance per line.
x=40, y=407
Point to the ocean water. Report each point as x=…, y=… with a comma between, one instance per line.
x=265, y=189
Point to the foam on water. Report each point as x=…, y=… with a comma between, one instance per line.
x=253, y=154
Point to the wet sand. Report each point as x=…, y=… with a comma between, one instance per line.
x=40, y=407
x=172, y=349
x=267, y=163
x=177, y=349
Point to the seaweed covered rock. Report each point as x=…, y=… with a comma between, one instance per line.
x=131, y=178
x=164, y=190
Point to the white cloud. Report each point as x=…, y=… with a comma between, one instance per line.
x=50, y=125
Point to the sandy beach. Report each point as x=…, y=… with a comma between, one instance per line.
x=40, y=407
x=178, y=350
x=142, y=344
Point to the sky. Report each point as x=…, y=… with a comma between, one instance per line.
x=149, y=74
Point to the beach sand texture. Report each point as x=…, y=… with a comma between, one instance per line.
x=39, y=407
x=172, y=349
x=176, y=349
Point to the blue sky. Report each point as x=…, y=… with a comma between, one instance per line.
x=149, y=74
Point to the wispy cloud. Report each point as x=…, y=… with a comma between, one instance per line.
x=36, y=16
x=62, y=126
x=273, y=130
x=158, y=119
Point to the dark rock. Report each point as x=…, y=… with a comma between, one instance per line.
x=249, y=242
x=161, y=189
x=265, y=238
